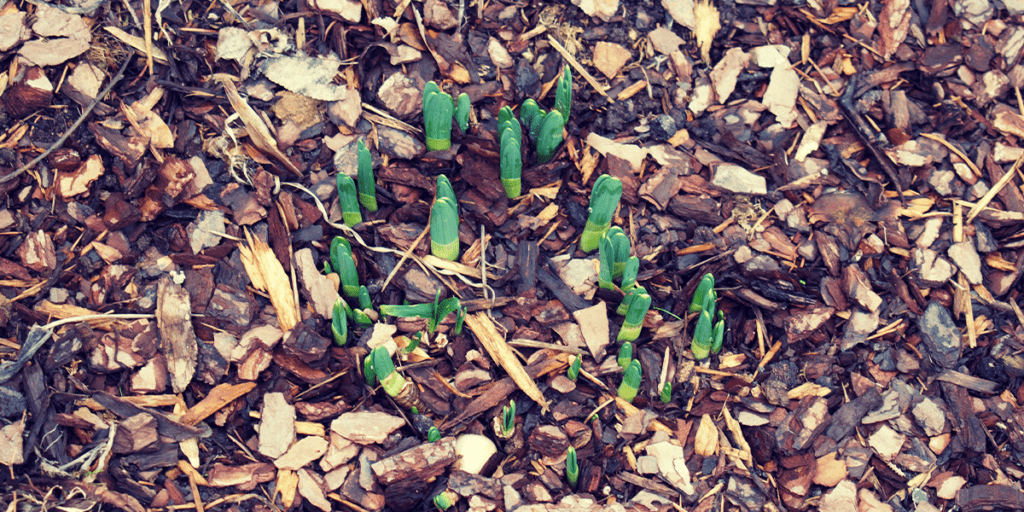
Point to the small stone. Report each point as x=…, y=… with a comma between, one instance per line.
x=931, y=418
x=942, y=181
x=940, y=335
x=932, y=269
x=399, y=144
x=735, y=179
x=499, y=55
x=770, y=56
x=400, y=95
x=647, y=465
x=205, y=231
x=663, y=127
x=436, y=14
x=887, y=443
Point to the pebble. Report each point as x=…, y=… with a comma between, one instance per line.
x=965, y=257
x=940, y=335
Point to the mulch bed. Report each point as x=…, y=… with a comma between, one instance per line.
x=849, y=174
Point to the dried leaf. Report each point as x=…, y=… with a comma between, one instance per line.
x=258, y=131
x=706, y=441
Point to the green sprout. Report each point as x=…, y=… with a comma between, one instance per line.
x=508, y=420
x=549, y=135
x=462, y=112
x=367, y=188
x=359, y=315
x=411, y=343
x=563, y=94
x=433, y=435
x=613, y=253
x=339, y=322
x=345, y=265
x=511, y=152
x=631, y=295
x=703, y=334
x=349, y=200
x=718, y=334
x=604, y=200
x=445, y=500
x=666, y=392
x=630, y=382
x=368, y=370
x=434, y=312
x=634, y=320
x=438, y=108
x=629, y=273
x=528, y=111
x=707, y=284
x=572, y=467
x=574, y=369
x=444, y=222
x=384, y=367
x=625, y=355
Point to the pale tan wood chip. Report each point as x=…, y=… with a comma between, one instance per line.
x=494, y=343
x=268, y=275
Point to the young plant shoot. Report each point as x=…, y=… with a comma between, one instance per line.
x=631, y=294
x=574, y=369
x=438, y=108
x=339, y=323
x=359, y=315
x=629, y=273
x=634, y=320
x=707, y=284
x=604, y=200
x=666, y=393
x=349, y=200
x=506, y=423
x=511, y=152
x=630, y=382
x=369, y=373
x=444, y=222
x=572, y=467
x=549, y=136
x=434, y=312
x=462, y=112
x=433, y=435
x=344, y=264
x=528, y=111
x=563, y=94
x=397, y=387
x=718, y=334
x=367, y=187
x=625, y=355
x=445, y=500
x=613, y=253
x=704, y=332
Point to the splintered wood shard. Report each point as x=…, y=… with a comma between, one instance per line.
x=268, y=275
x=258, y=131
x=177, y=339
x=484, y=329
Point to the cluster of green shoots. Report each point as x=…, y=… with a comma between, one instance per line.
x=434, y=313
x=616, y=263
x=344, y=264
x=543, y=128
x=604, y=200
x=350, y=197
x=444, y=221
x=631, y=377
x=707, y=339
x=438, y=110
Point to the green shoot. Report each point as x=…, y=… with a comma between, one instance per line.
x=433, y=435
x=445, y=500
x=629, y=273
x=666, y=392
x=511, y=159
x=718, y=334
x=574, y=368
x=508, y=420
x=707, y=284
x=345, y=265
x=349, y=200
x=367, y=187
x=572, y=467
x=631, y=294
x=462, y=112
x=549, y=136
x=625, y=355
x=630, y=382
x=389, y=379
x=368, y=371
x=563, y=94
x=434, y=312
x=604, y=200
x=339, y=323
x=613, y=253
x=438, y=108
x=634, y=320
x=529, y=110
x=444, y=222
x=359, y=315
x=702, y=336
